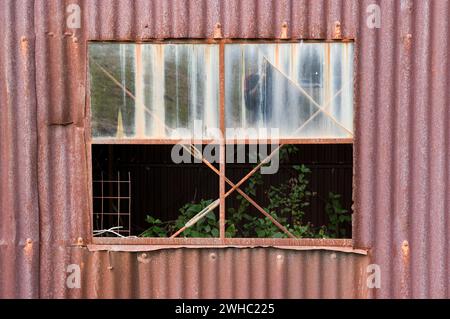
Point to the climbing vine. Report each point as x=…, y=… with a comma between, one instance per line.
x=287, y=202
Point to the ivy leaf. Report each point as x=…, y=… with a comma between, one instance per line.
x=215, y=232
x=261, y=233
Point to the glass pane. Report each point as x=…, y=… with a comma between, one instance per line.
x=154, y=90
x=302, y=89
x=110, y=105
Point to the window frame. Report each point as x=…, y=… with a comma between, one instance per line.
x=221, y=241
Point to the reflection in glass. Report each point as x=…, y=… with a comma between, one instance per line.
x=153, y=90
x=303, y=89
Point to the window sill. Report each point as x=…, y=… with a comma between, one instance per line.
x=151, y=244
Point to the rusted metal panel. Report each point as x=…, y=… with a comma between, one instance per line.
x=401, y=150
x=215, y=273
x=401, y=164
x=19, y=213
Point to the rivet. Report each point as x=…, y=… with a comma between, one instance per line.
x=284, y=30
x=405, y=246
x=337, y=30
x=217, y=34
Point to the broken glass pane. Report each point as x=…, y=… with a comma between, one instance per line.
x=153, y=90
x=302, y=89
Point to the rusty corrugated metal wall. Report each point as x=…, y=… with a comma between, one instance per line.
x=401, y=152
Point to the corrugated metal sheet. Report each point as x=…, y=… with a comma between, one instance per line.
x=402, y=147
x=19, y=212
x=401, y=150
x=215, y=273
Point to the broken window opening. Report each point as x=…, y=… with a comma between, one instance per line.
x=312, y=186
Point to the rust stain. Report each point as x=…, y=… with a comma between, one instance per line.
x=217, y=34
x=337, y=33
x=407, y=41
x=143, y=258
x=277, y=56
x=284, y=31
x=405, y=252
x=24, y=45
x=406, y=267
x=80, y=241
x=28, y=248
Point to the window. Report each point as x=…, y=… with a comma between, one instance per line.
x=147, y=91
x=304, y=89
x=221, y=140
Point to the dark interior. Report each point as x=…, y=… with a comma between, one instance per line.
x=159, y=187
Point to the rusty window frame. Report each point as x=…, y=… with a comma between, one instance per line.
x=221, y=241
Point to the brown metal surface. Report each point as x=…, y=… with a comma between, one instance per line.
x=214, y=273
x=301, y=242
x=401, y=147
x=19, y=211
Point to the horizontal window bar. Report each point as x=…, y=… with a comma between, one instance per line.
x=228, y=141
x=142, y=244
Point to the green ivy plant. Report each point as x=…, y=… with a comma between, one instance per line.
x=287, y=203
x=240, y=218
x=206, y=227
x=156, y=228
x=290, y=198
x=337, y=216
x=257, y=226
